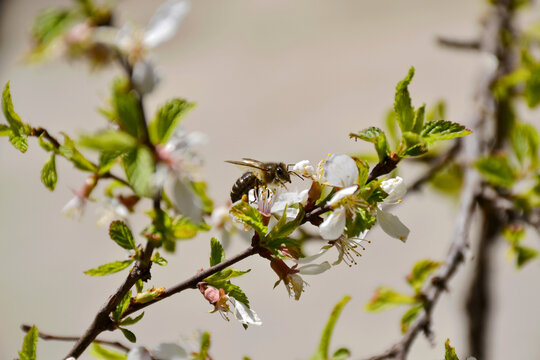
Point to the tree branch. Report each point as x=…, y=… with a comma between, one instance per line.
x=458, y=44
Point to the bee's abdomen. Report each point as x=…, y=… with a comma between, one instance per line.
x=242, y=186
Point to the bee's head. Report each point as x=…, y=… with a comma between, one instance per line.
x=282, y=173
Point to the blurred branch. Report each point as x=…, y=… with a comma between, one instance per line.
x=46, y=336
x=458, y=44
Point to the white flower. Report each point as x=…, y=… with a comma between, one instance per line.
x=165, y=22
x=338, y=170
x=139, y=353
x=145, y=76
x=304, y=168
x=222, y=303
x=112, y=210
x=344, y=201
x=287, y=199
x=75, y=207
x=164, y=351
x=244, y=314
x=395, y=188
x=346, y=247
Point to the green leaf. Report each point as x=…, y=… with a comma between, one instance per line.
x=341, y=354
x=157, y=259
x=109, y=268
x=18, y=130
x=363, y=220
x=497, y=170
x=199, y=189
x=376, y=136
x=438, y=130
x=419, y=119
x=449, y=352
x=420, y=272
x=437, y=112
x=49, y=24
x=167, y=120
x=413, y=145
x=126, y=109
x=120, y=233
x=70, y=152
x=106, y=162
x=5, y=130
x=283, y=229
x=387, y=298
x=19, y=142
x=132, y=321
x=49, y=177
x=524, y=255
x=45, y=143
x=205, y=345
x=224, y=275
x=184, y=228
x=402, y=104
x=103, y=353
x=112, y=141
x=121, y=307
x=524, y=139
x=449, y=179
x=324, y=343
x=28, y=351
x=532, y=87
x=409, y=317
x=139, y=167
x=249, y=216
x=129, y=335
x=217, y=254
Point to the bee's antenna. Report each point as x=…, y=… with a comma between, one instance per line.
x=294, y=173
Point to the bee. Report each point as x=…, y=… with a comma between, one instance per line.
x=260, y=173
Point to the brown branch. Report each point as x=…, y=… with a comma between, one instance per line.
x=383, y=167
x=459, y=44
x=46, y=336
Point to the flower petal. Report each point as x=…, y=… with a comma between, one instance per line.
x=333, y=226
x=169, y=351
x=395, y=188
x=145, y=77
x=392, y=225
x=343, y=193
x=244, y=314
x=304, y=168
x=340, y=170
x=165, y=22
x=314, y=269
x=308, y=259
x=139, y=353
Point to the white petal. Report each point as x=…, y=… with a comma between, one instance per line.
x=314, y=269
x=169, y=351
x=308, y=259
x=392, y=225
x=395, y=188
x=244, y=314
x=343, y=193
x=333, y=226
x=145, y=77
x=288, y=199
x=304, y=168
x=340, y=170
x=165, y=22
x=186, y=201
x=139, y=353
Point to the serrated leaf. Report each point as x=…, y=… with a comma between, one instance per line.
x=49, y=177
x=103, y=353
x=157, y=259
x=420, y=272
x=409, y=317
x=109, y=268
x=132, y=321
x=167, y=120
x=438, y=130
x=139, y=167
x=419, y=119
x=111, y=141
x=387, y=298
x=525, y=141
x=413, y=145
x=129, y=335
x=449, y=352
x=28, y=351
x=18, y=128
x=377, y=137
x=324, y=343
x=126, y=109
x=283, y=229
x=497, y=170
x=249, y=216
x=121, y=234
x=217, y=254
x=122, y=306
x=70, y=152
x=402, y=103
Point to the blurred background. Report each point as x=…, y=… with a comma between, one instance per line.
x=273, y=80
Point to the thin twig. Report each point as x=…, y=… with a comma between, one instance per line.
x=46, y=336
x=459, y=44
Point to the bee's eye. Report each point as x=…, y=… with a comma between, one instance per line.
x=280, y=171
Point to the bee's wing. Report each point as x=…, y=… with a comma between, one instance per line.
x=255, y=165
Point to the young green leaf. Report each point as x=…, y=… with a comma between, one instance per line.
x=409, y=317
x=387, y=298
x=110, y=268
x=376, y=136
x=283, y=229
x=49, y=176
x=524, y=255
x=49, y=24
x=157, y=259
x=167, y=120
x=112, y=141
x=18, y=130
x=100, y=352
x=249, y=216
x=199, y=189
x=497, y=170
x=121, y=307
x=525, y=141
x=419, y=119
x=131, y=321
x=324, y=343
x=420, y=272
x=413, y=145
x=120, y=233
x=341, y=354
x=449, y=352
x=19, y=142
x=126, y=109
x=217, y=254
x=45, y=143
x=5, y=130
x=438, y=130
x=139, y=167
x=28, y=351
x=205, y=346
x=402, y=104
x=70, y=152
x=129, y=335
